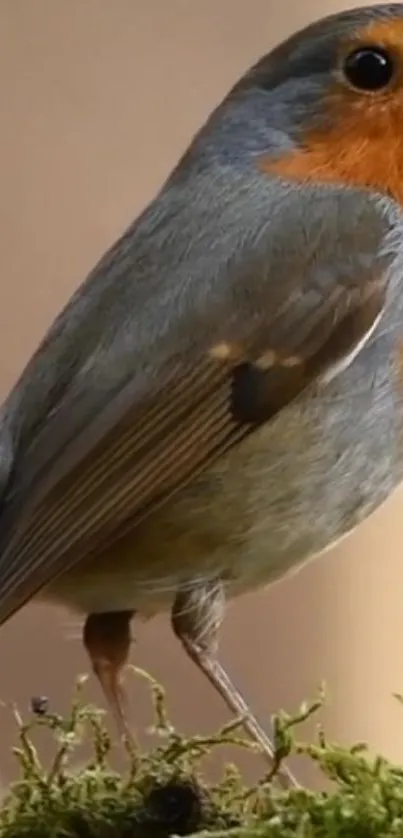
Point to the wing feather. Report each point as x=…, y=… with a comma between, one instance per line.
x=125, y=401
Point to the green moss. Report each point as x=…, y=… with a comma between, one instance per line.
x=164, y=792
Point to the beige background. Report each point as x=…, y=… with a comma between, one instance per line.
x=97, y=100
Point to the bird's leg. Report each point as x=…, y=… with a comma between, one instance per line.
x=197, y=614
x=107, y=640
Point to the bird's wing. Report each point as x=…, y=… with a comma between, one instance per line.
x=188, y=334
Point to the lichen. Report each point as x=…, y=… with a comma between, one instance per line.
x=164, y=791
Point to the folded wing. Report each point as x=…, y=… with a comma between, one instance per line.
x=202, y=322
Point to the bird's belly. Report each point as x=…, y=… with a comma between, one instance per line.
x=290, y=490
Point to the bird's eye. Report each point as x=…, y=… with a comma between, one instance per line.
x=369, y=68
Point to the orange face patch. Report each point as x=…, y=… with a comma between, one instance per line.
x=385, y=33
x=363, y=143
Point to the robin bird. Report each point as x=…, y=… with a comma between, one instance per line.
x=222, y=399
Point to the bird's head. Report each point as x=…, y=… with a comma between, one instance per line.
x=325, y=105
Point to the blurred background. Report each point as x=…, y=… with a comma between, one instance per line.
x=97, y=101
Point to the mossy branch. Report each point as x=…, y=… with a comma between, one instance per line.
x=164, y=793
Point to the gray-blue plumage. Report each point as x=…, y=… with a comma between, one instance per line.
x=121, y=423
